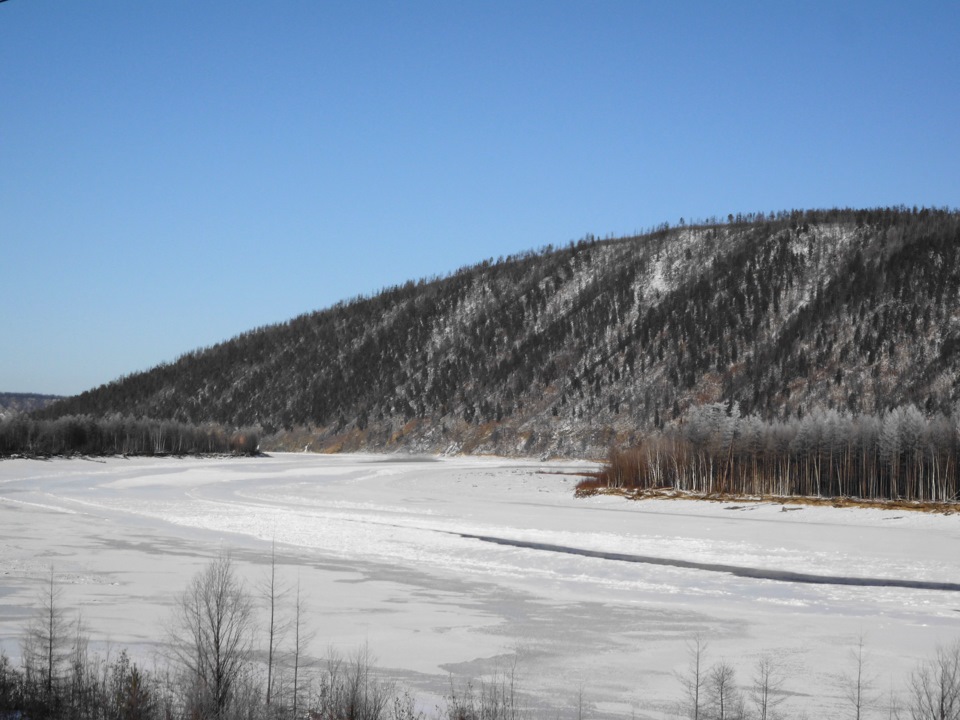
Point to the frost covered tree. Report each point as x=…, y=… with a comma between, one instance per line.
x=912, y=430
x=891, y=450
x=901, y=455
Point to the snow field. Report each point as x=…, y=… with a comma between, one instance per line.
x=377, y=545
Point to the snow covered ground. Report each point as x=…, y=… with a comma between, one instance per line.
x=399, y=553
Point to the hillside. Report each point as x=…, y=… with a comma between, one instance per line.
x=566, y=350
x=11, y=403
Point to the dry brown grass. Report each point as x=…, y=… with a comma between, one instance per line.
x=591, y=485
x=596, y=486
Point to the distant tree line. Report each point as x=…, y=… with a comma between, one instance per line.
x=902, y=454
x=119, y=435
x=11, y=403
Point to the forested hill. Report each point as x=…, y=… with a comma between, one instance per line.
x=11, y=403
x=567, y=350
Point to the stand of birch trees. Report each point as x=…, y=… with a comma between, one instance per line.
x=900, y=455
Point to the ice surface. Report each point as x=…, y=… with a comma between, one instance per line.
x=378, y=545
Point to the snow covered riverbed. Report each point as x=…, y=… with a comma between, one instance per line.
x=454, y=567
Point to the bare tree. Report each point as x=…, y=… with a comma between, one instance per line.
x=857, y=685
x=274, y=629
x=694, y=680
x=47, y=644
x=83, y=691
x=935, y=687
x=405, y=708
x=726, y=700
x=349, y=690
x=767, y=691
x=301, y=640
x=493, y=699
x=893, y=705
x=211, y=635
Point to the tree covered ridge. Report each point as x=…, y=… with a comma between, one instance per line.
x=566, y=350
x=11, y=403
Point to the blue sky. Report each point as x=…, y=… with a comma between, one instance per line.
x=174, y=173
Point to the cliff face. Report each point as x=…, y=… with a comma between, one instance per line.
x=567, y=351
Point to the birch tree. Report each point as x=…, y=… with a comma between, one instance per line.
x=212, y=635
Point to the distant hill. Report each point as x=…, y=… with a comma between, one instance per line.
x=566, y=350
x=24, y=402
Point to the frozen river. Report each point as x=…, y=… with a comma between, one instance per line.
x=453, y=568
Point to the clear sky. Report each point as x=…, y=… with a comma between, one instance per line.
x=174, y=173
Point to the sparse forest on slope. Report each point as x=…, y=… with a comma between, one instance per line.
x=11, y=403
x=570, y=350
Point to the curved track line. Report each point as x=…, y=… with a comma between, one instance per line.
x=736, y=570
